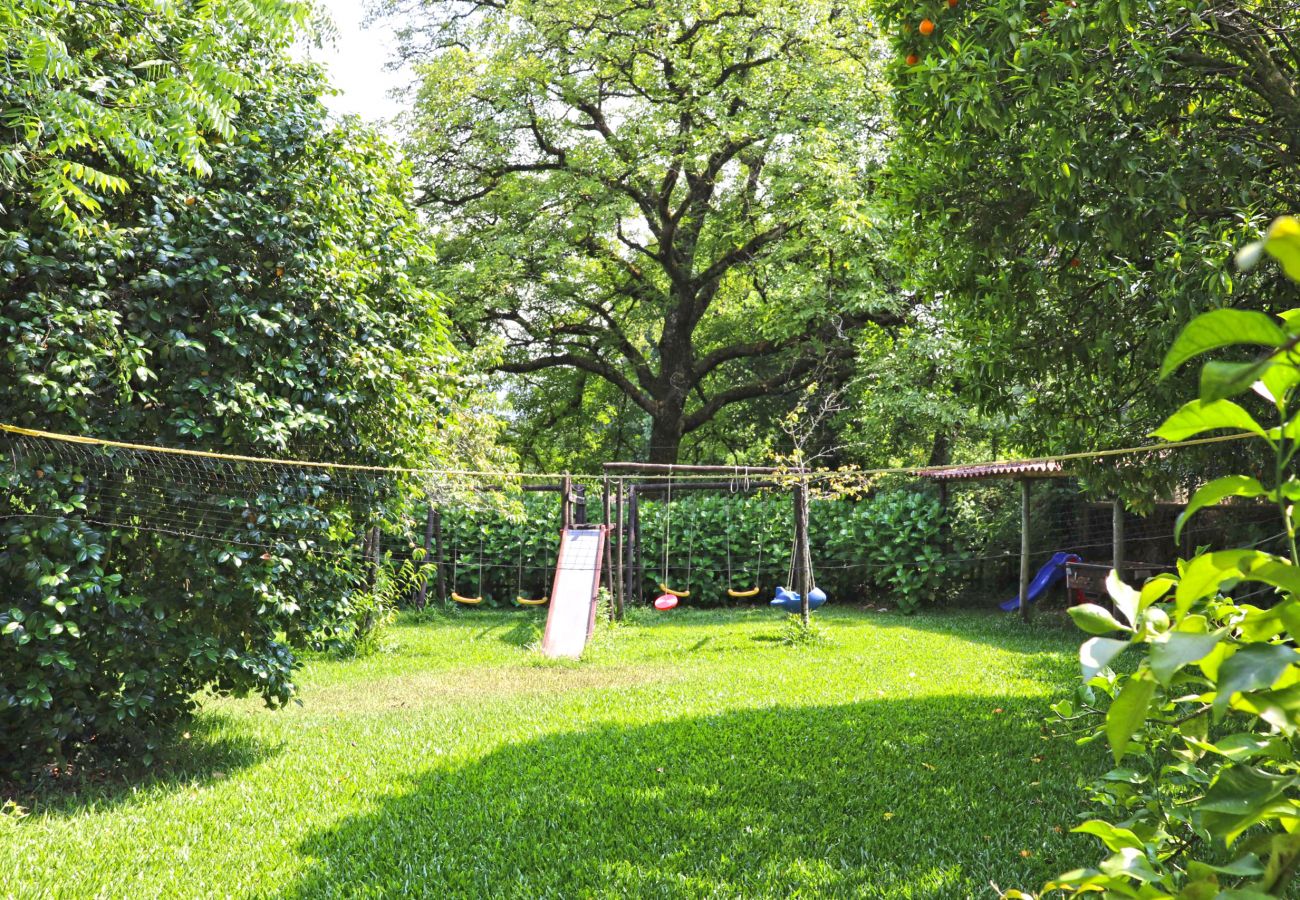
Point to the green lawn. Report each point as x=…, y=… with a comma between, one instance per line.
x=691, y=754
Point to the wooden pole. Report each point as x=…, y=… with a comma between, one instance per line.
x=1024, y=549
x=635, y=562
x=580, y=504
x=621, y=581
x=606, y=519
x=803, y=551
x=423, y=600
x=372, y=548
x=1117, y=536
x=945, y=529
x=566, y=502
x=440, y=560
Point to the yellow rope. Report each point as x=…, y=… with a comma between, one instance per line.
x=829, y=474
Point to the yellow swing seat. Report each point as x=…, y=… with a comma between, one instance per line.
x=468, y=601
x=524, y=601
x=743, y=595
x=667, y=590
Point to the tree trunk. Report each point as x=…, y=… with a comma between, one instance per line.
x=666, y=437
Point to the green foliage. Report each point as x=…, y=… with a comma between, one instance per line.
x=886, y=548
x=795, y=632
x=98, y=91
x=1207, y=803
x=672, y=199
x=276, y=307
x=1036, y=144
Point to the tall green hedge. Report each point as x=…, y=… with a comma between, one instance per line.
x=272, y=309
x=887, y=548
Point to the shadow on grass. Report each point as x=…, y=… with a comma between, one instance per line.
x=213, y=750
x=926, y=798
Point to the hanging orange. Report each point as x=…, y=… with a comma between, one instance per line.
x=926, y=27
x=952, y=4
x=913, y=59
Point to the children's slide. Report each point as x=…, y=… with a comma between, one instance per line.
x=572, y=614
x=1049, y=575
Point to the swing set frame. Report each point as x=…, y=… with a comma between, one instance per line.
x=626, y=530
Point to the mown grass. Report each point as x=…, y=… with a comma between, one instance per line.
x=694, y=754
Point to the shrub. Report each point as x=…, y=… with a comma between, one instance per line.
x=1205, y=799
x=887, y=547
x=272, y=309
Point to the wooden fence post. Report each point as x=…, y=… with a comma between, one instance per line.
x=423, y=600
x=803, y=551
x=1024, y=549
x=1117, y=537
x=440, y=560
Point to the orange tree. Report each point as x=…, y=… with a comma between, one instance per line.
x=1071, y=180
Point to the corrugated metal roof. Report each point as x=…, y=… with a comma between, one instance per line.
x=1028, y=469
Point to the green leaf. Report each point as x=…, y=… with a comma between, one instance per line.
x=1203, y=575
x=1095, y=619
x=1220, y=380
x=1096, y=653
x=1198, y=417
x=1166, y=657
x=1252, y=668
x=1126, y=599
x=1128, y=711
x=1216, y=491
x=1114, y=837
x=1282, y=242
x=1222, y=328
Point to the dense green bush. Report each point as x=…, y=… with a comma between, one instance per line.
x=886, y=548
x=1197, y=694
x=274, y=308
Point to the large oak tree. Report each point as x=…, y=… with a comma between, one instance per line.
x=672, y=197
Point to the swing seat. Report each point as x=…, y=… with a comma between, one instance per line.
x=667, y=590
x=790, y=601
x=743, y=595
x=467, y=601
x=665, y=601
x=524, y=601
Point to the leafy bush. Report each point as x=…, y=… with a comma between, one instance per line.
x=1206, y=800
x=274, y=308
x=887, y=547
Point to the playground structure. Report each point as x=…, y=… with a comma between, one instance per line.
x=629, y=560
x=572, y=616
x=189, y=493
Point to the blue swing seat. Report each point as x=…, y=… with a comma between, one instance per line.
x=789, y=601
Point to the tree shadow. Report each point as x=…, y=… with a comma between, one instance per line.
x=522, y=632
x=921, y=798
x=210, y=748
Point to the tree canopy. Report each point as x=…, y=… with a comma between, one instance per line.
x=675, y=199
x=96, y=93
x=1071, y=182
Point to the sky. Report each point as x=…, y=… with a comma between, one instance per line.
x=356, y=63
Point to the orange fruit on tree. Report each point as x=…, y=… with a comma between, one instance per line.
x=913, y=59
x=926, y=27
x=952, y=4
x=189, y=201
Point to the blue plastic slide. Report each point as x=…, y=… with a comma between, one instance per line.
x=1049, y=575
